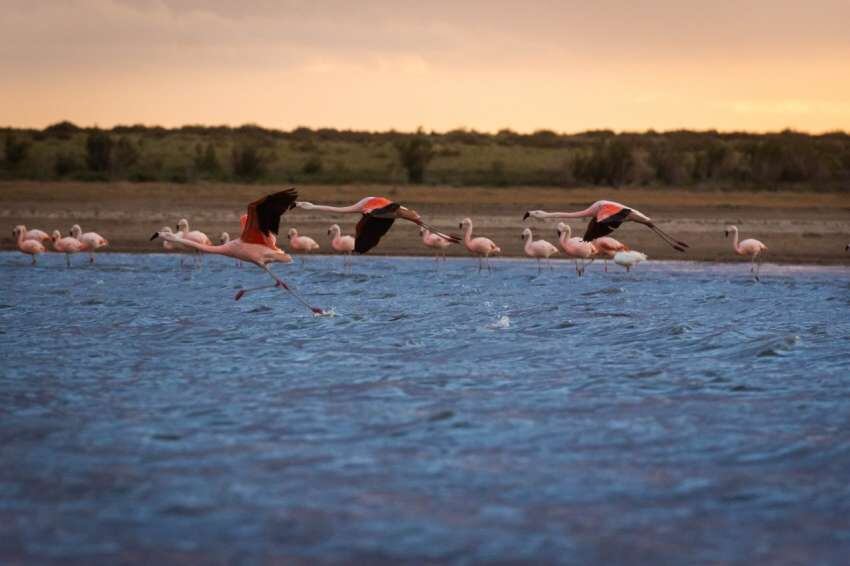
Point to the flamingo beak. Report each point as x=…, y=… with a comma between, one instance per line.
x=525, y=216
x=726, y=233
x=155, y=236
x=460, y=225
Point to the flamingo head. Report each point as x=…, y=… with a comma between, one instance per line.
x=164, y=230
x=561, y=228
x=19, y=229
x=305, y=205
x=526, y=234
x=56, y=235
x=224, y=238
x=292, y=233
x=536, y=214
x=729, y=230
x=464, y=223
x=75, y=231
x=183, y=225
x=334, y=230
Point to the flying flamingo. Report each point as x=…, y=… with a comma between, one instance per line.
x=539, y=249
x=30, y=247
x=193, y=236
x=379, y=214
x=575, y=247
x=342, y=244
x=66, y=245
x=223, y=238
x=629, y=259
x=90, y=240
x=605, y=217
x=304, y=244
x=435, y=242
x=256, y=244
x=481, y=247
x=749, y=247
x=37, y=235
x=607, y=247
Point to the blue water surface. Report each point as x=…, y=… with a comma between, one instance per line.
x=679, y=413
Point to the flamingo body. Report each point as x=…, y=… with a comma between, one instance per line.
x=66, y=245
x=750, y=247
x=629, y=259
x=37, y=235
x=537, y=249
x=575, y=247
x=299, y=243
x=434, y=241
x=481, y=247
x=31, y=247
x=91, y=240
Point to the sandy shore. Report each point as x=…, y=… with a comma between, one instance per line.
x=796, y=227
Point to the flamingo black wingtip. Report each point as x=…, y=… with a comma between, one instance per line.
x=525, y=216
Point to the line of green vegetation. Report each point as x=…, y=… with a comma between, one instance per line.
x=252, y=154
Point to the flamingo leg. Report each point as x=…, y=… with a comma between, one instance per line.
x=33, y=259
x=68, y=260
x=282, y=283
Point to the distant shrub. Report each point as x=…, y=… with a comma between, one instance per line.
x=99, y=151
x=62, y=130
x=15, y=151
x=65, y=164
x=312, y=166
x=247, y=161
x=125, y=154
x=415, y=153
x=206, y=160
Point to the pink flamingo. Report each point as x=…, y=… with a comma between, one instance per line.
x=304, y=244
x=750, y=247
x=90, y=240
x=607, y=247
x=257, y=243
x=435, y=242
x=196, y=236
x=481, y=247
x=539, y=249
x=223, y=238
x=37, y=235
x=66, y=245
x=629, y=259
x=31, y=247
x=342, y=244
x=575, y=247
x=605, y=217
x=378, y=215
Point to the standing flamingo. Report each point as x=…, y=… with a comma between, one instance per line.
x=605, y=217
x=304, y=244
x=435, y=242
x=196, y=236
x=481, y=247
x=90, y=240
x=629, y=259
x=30, y=247
x=607, y=247
x=66, y=245
x=379, y=214
x=539, y=249
x=256, y=244
x=750, y=247
x=575, y=247
x=342, y=244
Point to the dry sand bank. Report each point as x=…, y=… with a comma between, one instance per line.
x=797, y=227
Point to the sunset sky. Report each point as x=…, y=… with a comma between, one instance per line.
x=569, y=66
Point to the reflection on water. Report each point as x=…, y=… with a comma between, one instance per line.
x=679, y=410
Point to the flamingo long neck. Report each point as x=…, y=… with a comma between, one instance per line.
x=467, y=233
x=528, y=238
x=565, y=235
x=21, y=235
x=223, y=249
x=357, y=207
x=589, y=211
x=735, y=238
x=426, y=236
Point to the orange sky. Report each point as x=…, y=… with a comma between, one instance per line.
x=564, y=65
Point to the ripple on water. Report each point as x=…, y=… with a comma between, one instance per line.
x=507, y=417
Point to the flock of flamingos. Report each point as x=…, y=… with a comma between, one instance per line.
x=257, y=244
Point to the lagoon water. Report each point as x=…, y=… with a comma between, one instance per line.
x=679, y=413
